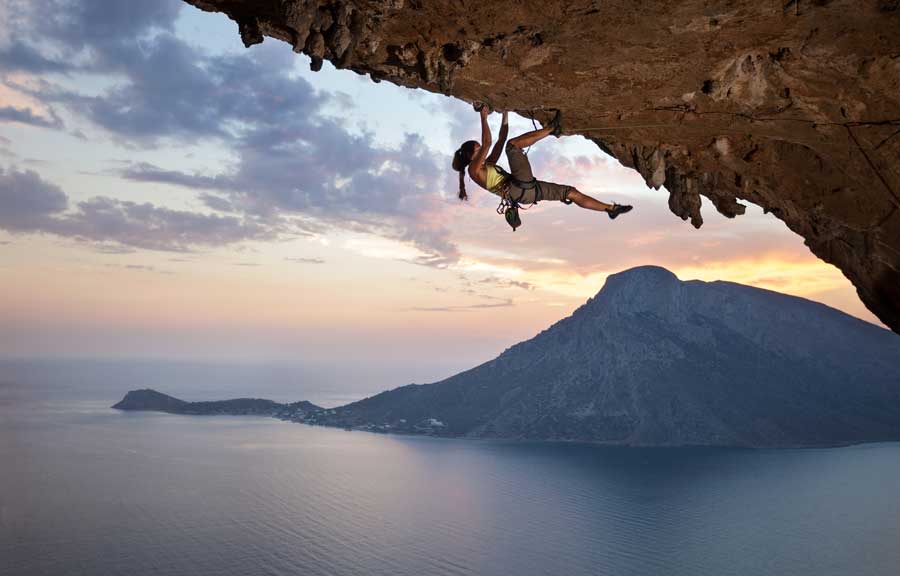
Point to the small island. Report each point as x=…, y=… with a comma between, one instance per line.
x=151, y=400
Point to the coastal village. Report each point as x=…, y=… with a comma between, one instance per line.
x=312, y=414
x=303, y=412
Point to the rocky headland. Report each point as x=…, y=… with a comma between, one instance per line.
x=151, y=400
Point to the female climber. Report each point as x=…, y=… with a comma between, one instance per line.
x=519, y=186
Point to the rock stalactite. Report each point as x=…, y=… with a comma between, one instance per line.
x=793, y=105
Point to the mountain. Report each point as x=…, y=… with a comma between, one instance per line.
x=649, y=361
x=652, y=360
x=152, y=400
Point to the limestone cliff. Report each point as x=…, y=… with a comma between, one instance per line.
x=793, y=105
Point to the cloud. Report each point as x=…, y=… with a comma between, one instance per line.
x=322, y=172
x=216, y=202
x=19, y=57
x=83, y=24
x=106, y=248
x=105, y=22
x=488, y=301
x=85, y=36
x=305, y=260
x=463, y=123
x=28, y=204
x=27, y=116
x=144, y=225
x=141, y=268
x=309, y=165
x=462, y=308
x=166, y=87
x=506, y=283
x=146, y=172
x=293, y=159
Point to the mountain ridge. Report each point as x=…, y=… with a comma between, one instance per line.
x=602, y=373
x=655, y=361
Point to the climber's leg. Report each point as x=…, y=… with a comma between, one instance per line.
x=585, y=201
x=529, y=138
x=519, y=166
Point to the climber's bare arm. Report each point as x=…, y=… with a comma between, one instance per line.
x=477, y=165
x=501, y=140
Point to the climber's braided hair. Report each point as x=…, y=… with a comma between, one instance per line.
x=461, y=159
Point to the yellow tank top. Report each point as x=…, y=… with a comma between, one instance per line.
x=494, y=177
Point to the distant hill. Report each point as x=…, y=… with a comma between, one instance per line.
x=652, y=360
x=152, y=400
x=649, y=361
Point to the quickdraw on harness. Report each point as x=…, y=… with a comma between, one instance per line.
x=509, y=206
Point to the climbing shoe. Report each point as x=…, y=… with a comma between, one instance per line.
x=557, y=124
x=618, y=209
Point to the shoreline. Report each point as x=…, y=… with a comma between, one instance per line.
x=512, y=440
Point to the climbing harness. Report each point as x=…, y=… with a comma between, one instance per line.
x=509, y=206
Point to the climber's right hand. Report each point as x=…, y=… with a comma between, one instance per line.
x=482, y=107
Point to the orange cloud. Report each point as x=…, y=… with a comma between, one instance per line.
x=11, y=98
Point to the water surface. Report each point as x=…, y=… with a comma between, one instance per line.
x=89, y=490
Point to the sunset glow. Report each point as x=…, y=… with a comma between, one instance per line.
x=304, y=216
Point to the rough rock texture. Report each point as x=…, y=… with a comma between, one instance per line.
x=793, y=105
x=654, y=361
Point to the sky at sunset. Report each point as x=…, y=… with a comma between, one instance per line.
x=167, y=193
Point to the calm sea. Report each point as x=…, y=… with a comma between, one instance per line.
x=88, y=490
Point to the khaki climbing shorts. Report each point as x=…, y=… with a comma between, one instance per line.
x=520, y=169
